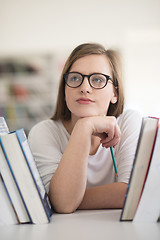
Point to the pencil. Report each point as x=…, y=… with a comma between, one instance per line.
x=114, y=162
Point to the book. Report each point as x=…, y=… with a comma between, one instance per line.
x=140, y=167
x=149, y=206
x=10, y=185
x=34, y=171
x=7, y=212
x=3, y=126
x=12, y=189
x=26, y=176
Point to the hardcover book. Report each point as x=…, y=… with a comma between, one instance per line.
x=140, y=167
x=26, y=176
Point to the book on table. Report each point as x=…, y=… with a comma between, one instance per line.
x=3, y=126
x=26, y=177
x=141, y=163
x=34, y=171
x=11, y=189
x=14, y=193
x=7, y=211
x=148, y=209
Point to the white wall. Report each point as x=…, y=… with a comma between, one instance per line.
x=59, y=25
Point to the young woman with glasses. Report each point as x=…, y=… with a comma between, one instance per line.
x=72, y=149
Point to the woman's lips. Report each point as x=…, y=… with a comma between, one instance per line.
x=84, y=101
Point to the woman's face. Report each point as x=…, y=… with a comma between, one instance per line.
x=85, y=101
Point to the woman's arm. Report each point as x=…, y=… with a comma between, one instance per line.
x=68, y=185
x=102, y=197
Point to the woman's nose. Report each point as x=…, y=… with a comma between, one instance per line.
x=85, y=86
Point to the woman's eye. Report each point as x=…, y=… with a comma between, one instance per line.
x=74, y=79
x=97, y=79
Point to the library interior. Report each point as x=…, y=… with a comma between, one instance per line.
x=36, y=38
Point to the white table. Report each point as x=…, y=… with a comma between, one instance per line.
x=89, y=225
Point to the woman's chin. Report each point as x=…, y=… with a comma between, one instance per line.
x=87, y=115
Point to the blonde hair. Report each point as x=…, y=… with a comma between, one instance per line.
x=61, y=111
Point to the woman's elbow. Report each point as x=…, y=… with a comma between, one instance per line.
x=64, y=209
x=61, y=205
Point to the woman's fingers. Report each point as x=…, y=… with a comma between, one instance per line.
x=111, y=143
x=111, y=135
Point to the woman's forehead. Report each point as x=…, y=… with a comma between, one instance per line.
x=92, y=63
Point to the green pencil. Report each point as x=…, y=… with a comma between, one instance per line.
x=114, y=162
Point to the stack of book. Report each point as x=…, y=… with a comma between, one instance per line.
x=23, y=196
x=142, y=200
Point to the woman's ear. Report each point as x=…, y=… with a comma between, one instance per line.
x=114, y=98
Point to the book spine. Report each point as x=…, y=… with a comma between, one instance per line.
x=34, y=172
x=10, y=200
x=3, y=148
x=150, y=158
x=131, y=174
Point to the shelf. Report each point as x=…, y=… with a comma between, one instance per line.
x=27, y=90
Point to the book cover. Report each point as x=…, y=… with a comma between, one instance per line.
x=24, y=178
x=34, y=171
x=140, y=166
x=149, y=206
x=7, y=211
x=12, y=189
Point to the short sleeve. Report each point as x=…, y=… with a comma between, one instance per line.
x=130, y=123
x=47, y=146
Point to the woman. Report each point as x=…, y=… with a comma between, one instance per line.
x=72, y=150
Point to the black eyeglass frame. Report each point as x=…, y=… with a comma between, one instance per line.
x=88, y=76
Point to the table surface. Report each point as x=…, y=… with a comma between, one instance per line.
x=89, y=224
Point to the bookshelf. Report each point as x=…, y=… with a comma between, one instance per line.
x=28, y=89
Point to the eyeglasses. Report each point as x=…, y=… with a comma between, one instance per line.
x=96, y=80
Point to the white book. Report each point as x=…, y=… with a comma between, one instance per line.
x=7, y=214
x=149, y=206
x=9, y=181
x=21, y=164
x=140, y=167
x=12, y=189
x=3, y=126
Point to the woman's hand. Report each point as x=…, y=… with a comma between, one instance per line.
x=106, y=128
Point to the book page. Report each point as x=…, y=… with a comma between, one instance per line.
x=3, y=126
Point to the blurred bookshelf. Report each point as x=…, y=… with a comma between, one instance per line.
x=27, y=89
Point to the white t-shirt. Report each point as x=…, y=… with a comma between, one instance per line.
x=48, y=140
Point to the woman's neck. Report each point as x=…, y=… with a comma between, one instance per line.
x=69, y=125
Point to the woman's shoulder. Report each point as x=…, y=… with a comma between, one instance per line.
x=130, y=116
x=129, y=113
x=46, y=128
x=47, y=124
